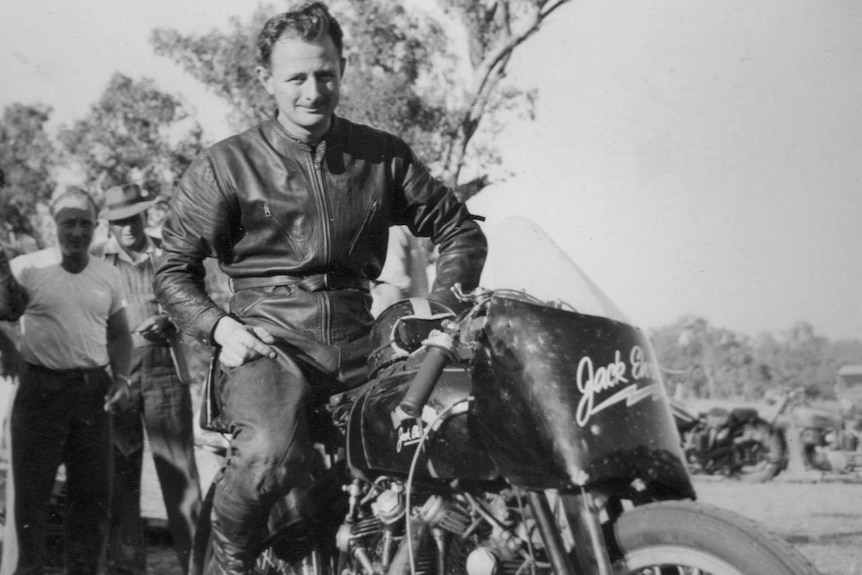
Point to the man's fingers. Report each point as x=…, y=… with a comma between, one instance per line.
x=147, y=324
x=263, y=335
x=115, y=401
x=241, y=350
x=240, y=343
x=249, y=345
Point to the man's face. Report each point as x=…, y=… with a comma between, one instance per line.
x=75, y=227
x=305, y=80
x=129, y=231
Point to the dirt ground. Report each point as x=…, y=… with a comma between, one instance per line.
x=821, y=519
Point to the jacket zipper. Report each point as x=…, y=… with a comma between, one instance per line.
x=323, y=206
x=268, y=213
x=368, y=217
x=325, y=226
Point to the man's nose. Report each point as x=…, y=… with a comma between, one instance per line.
x=311, y=89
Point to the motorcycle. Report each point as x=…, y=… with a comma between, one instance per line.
x=530, y=433
x=736, y=443
x=829, y=440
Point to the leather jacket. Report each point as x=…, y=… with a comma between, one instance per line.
x=266, y=204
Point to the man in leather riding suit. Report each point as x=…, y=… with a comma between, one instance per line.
x=297, y=211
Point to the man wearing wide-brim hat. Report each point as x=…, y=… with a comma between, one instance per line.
x=160, y=399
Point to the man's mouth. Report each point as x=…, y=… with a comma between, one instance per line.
x=318, y=108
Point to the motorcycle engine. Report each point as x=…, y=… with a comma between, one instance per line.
x=454, y=533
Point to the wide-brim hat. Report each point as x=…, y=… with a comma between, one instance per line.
x=125, y=201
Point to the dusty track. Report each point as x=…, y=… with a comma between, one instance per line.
x=822, y=519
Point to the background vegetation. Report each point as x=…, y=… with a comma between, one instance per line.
x=436, y=78
x=717, y=363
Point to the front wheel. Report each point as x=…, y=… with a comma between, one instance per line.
x=682, y=537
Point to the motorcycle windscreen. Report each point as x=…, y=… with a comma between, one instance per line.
x=567, y=392
x=523, y=257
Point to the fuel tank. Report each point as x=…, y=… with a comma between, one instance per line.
x=379, y=442
x=564, y=399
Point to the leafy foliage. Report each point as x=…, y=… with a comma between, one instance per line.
x=434, y=79
x=135, y=132
x=224, y=62
x=719, y=363
x=27, y=157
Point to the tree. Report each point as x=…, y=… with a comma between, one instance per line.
x=802, y=358
x=27, y=160
x=135, y=132
x=712, y=362
x=715, y=362
x=436, y=79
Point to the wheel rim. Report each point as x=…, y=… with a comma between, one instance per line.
x=675, y=560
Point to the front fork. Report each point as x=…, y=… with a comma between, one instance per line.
x=591, y=555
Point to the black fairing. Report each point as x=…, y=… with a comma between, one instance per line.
x=533, y=376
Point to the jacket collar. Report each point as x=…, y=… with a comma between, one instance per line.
x=333, y=136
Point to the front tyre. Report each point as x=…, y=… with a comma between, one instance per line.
x=682, y=537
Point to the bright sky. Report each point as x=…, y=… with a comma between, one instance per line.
x=693, y=157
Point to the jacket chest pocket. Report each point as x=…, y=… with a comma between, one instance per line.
x=292, y=234
x=364, y=225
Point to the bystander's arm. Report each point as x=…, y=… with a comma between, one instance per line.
x=120, y=357
x=10, y=358
x=13, y=297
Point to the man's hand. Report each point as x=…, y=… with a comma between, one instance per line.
x=240, y=343
x=155, y=328
x=117, y=398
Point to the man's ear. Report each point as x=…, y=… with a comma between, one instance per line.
x=265, y=78
x=343, y=66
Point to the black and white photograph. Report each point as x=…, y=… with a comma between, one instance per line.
x=431, y=287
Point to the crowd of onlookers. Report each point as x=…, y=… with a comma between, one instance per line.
x=98, y=366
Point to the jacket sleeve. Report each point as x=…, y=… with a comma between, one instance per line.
x=198, y=226
x=430, y=209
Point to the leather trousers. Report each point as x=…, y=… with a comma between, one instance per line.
x=265, y=403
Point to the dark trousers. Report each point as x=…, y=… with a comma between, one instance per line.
x=161, y=404
x=59, y=417
x=269, y=454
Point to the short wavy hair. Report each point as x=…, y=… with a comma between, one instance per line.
x=310, y=22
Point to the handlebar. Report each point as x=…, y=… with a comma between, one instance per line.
x=439, y=346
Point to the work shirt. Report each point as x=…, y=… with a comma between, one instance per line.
x=137, y=278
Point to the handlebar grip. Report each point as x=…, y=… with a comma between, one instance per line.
x=423, y=384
